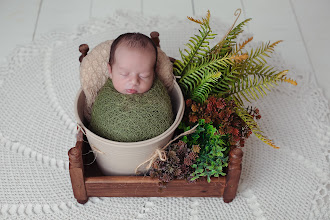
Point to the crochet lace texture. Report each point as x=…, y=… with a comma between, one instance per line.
x=38, y=85
x=131, y=118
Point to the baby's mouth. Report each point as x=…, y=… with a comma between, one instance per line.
x=131, y=91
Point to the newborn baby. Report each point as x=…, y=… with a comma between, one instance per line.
x=133, y=105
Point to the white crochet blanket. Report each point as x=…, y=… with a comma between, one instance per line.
x=38, y=85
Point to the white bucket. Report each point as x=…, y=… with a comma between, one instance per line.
x=122, y=158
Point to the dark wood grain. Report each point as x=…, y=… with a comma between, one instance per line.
x=76, y=170
x=145, y=186
x=233, y=174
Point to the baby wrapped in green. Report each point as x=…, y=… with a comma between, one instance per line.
x=133, y=117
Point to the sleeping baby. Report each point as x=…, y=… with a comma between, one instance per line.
x=133, y=105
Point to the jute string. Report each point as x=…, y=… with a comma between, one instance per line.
x=160, y=152
x=94, y=149
x=80, y=128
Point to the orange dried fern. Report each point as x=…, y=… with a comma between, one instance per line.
x=205, y=20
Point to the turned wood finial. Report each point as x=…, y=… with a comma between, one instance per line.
x=233, y=175
x=155, y=38
x=83, y=48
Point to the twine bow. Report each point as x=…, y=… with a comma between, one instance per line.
x=160, y=152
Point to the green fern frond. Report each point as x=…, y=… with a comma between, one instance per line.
x=196, y=71
x=226, y=44
x=257, y=56
x=252, y=124
x=198, y=47
x=202, y=91
x=228, y=79
x=252, y=87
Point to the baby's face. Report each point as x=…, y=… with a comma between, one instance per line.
x=133, y=70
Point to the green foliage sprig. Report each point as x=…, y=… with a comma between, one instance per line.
x=213, y=154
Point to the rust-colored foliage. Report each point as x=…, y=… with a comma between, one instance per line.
x=223, y=116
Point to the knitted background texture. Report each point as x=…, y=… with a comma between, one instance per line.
x=134, y=117
x=38, y=86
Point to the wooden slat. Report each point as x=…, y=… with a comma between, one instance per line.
x=62, y=16
x=218, y=11
x=17, y=23
x=168, y=8
x=272, y=20
x=313, y=22
x=105, y=8
x=139, y=186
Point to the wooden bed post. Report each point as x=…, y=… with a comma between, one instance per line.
x=76, y=169
x=155, y=38
x=233, y=175
x=83, y=49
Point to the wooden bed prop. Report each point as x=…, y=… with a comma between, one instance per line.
x=88, y=181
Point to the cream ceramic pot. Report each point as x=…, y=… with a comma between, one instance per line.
x=122, y=158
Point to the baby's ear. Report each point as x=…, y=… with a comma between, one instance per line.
x=110, y=71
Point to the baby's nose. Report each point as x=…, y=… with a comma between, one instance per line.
x=135, y=80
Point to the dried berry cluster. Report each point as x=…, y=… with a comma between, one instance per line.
x=178, y=163
x=222, y=114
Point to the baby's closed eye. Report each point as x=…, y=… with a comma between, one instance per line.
x=145, y=75
x=124, y=73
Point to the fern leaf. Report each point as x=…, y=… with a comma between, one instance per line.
x=202, y=91
x=208, y=16
x=195, y=20
x=198, y=47
x=229, y=78
x=253, y=86
x=266, y=140
x=252, y=124
x=240, y=58
x=291, y=81
x=241, y=46
x=228, y=41
x=195, y=72
x=204, y=20
x=257, y=56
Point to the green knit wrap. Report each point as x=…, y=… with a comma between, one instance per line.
x=131, y=118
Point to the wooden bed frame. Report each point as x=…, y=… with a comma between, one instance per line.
x=88, y=181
